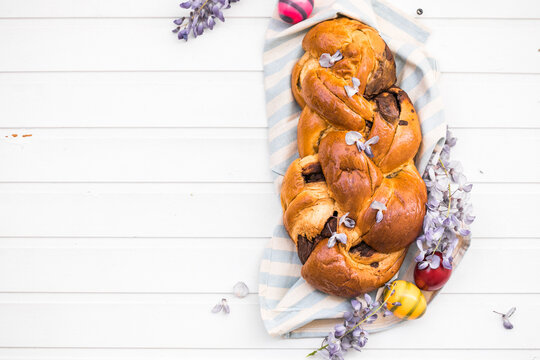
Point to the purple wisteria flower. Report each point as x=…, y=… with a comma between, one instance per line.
x=351, y=334
x=354, y=137
x=327, y=61
x=448, y=210
x=202, y=16
x=223, y=305
x=351, y=90
x=342, y=238
x=380, y=207
x=506, y=318
x=347, y=221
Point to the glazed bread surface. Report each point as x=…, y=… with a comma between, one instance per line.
x=336, y=176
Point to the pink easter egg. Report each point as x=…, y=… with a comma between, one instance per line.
x=294, y=11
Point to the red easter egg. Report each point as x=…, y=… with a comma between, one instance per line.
x=431, y=279
x=294, y=11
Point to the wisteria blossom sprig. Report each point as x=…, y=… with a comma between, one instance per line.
x=354, y=137
x=223, y=305
x=202, y=16
x=506, y=318
x=351, y=334
x=448, y=210
x=351, y=90
x=380, y=207
x=342, y=238
x=347, y=221
x=327, y=61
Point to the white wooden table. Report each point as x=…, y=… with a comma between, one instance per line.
x=143, y=193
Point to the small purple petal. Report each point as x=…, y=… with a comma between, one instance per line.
x=217, y=308
x=339, y=330
x=326, y=61
x=337, y=56
x=464, y=232
x=373, y=140
x=434, y=261
x=226, y=308
x=368, y=151
x=507, y=324
x=342, y=238
x=376, y=205
x=420, y=256
x=467, y=187
x=331, y=241
x=368, y=299
x=352, y=136
x=350, y=90
x=469, y=219
x=447, y=263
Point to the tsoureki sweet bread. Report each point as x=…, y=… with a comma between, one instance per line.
x=354, y=200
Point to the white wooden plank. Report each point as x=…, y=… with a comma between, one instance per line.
x=147, y=45
x=141, y=8
x=121, y=8
x=185, y=321
x=127, y=45
x=137, y=155
x=153, y=99
x=489, y=154
x=156, y=265
x=207, y=210
x=217, y=155
x=477, y=100
x=187, y=210
x=476, y=45
x=526, y=9
x=262, y=354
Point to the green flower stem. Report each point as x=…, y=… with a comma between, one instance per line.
x=360, y=323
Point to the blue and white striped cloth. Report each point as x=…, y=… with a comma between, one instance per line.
x=289, y=306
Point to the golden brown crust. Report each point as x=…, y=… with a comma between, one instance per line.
x=333, y=178
x=337, y=271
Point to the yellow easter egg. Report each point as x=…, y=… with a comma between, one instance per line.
x=411, y=301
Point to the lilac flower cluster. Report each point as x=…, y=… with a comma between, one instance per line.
x=448, y=209
x=202, y=16
x=351, y=334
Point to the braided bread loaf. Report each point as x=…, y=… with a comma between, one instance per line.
x=353, y=201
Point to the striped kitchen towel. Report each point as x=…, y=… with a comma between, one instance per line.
x=289, y=306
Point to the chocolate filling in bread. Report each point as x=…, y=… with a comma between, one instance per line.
x=313, y=173
x=363, y=250
x=369, y=125
x=305, y=246
x=388, y=106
